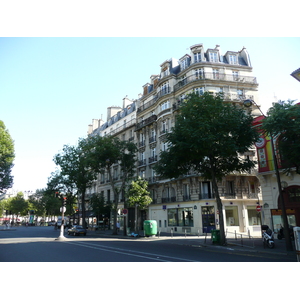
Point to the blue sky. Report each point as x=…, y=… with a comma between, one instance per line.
x=52, y=88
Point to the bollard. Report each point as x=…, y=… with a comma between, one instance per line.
x=185, y=233
x=171, y=232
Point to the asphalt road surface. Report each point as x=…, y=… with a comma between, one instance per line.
x=39, y=244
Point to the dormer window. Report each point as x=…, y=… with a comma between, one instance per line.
x=184, y=63
x=213, y=57
x=197, y=57
x=232, y=59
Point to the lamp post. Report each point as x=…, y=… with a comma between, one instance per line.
x=289, y=247
x=63, y=209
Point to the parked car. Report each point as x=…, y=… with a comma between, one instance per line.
x=76, y=230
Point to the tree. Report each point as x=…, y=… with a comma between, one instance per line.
x=138, y=196
x=18, y=205
x=62, y=184
x=109, y=151
x=76, y=165
x=7, y=157
x=207, y=139
x=97, y=203
x=283, y=121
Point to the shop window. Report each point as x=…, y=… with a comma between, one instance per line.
x=185, y=217
x=172, y=217
x=254, y=217
x=232, y=216
x=180, y=217
x=294, y=194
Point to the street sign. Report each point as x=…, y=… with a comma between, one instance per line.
x=125, y=211
x=62, y=208
x=258, y=208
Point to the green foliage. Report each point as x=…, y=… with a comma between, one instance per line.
x=208, y=137
x=18, y=205
x=97, y=202
x=75, y=165
x=283, y=119
x=7, y=157
x=107, y=151
x=138, y=194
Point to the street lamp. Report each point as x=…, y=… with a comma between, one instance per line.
x=62, y=209
x=289, y=247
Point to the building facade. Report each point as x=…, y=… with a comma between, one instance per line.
x=290, y=183
x=187, y=204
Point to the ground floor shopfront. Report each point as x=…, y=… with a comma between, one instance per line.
x=272, y=208
x=200, y=217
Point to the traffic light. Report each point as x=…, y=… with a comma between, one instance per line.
x=56, y=194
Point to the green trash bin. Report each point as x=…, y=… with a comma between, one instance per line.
x=150, y=227
x=215, y=236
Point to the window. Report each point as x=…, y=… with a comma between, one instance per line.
x=186, y=192
x=216, y=74
x=142, y=174
x=232, y=216
x=180, y=217
x=164, y=146
x=294, y=195
x=184, y=64
x=240, y=93
x=165, y=105
x=253, y=216
x=165, y=89
x=230, y=188
x=172, y=217
x=205, y=190
x=235, y=75
x=199, y=73
x=197, y=57
x=233, y=59
x=213, y=56
x=164, y=127
x=199, y=90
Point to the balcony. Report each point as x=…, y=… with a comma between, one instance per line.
x=152, y=159
x=146, y=122
x=152, y=139
x=203, y=196
x=160, y=94
x=214, y=76
x=186, y=197
x=142, y=162
x=168, y=199
x=152, y=179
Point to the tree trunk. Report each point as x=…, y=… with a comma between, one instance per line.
x=220, y=209
x=83, y=209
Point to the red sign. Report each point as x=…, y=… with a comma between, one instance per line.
x=125, y=211
x=258, y=208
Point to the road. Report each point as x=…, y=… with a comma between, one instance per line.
x=39, y=244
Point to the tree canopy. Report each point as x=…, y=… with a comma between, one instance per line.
x=283, y=122
x=108, y=152
x=7, y=156
x=208, y=137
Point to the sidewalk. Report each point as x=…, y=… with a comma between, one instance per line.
x=245, y=244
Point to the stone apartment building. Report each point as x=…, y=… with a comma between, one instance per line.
x=187, y=204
